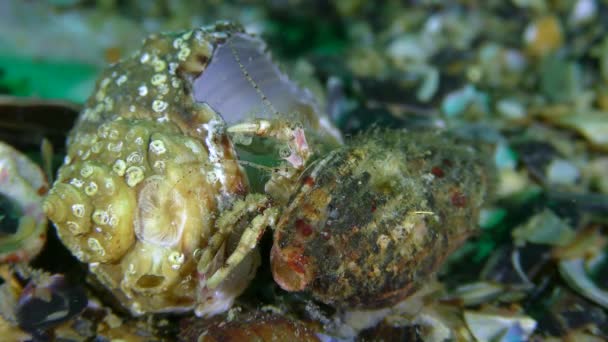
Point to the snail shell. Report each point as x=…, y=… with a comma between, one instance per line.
x=148, y=169
x=373, y=220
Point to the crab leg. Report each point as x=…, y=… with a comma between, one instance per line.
x=246, y=244
x=226, y=223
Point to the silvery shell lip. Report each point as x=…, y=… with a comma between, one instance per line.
x=242, y=82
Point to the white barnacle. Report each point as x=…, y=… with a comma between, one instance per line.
x=74, y=228
x=134, y=158
x=86, y=171
x=96, y=148
x=163, y=89
x=172, y=68
x=186, y=35
x=91, y=189
x=109, y=103
x=193, y=147
x=109, y=184
x=104, y=83
x=113, y=134
x=211, y=177
x=428, y=177
x=158, y=64
x=95, y=246
x=103, y=131
x=158, y=79
x=113, y=222
x=178, y=43
x=176, y=259
x=98, y=108
x=100, y=94
x=77, y=182
x=78, y=210
x=216, y=152
x=115, y=146
x=159, y=106
x=119, y=167
x=157, y=147
x=120, y=80
x=383, y=241
x=159, y=166
x=139, y=141
x=86, y=155
x=183, y=53
x=145, y=57
x=134, y=175
x=101, y=217
x=142, y=90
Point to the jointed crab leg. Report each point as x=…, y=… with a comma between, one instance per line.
x=246, y=244
x=251, y=204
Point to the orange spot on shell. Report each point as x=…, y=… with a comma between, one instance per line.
x=303, y=228
x=309, y=181
x=291, y=269
x=437, y=172
x=12, y=258
x=42, y=190
x=112, y=54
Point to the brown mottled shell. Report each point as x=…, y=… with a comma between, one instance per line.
x=373, y=220
x=146, y=171
x=250, y=326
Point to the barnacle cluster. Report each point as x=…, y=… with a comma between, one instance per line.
x=146, y=171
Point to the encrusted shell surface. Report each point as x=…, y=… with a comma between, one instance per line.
x=373, y=220
x=147, y=170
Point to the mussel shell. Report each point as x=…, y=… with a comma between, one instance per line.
x=43, y=306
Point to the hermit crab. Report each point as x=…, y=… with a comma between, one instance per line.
x=153, y=195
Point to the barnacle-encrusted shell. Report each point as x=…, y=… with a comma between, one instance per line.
x=372, y=220
x=147, y=170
